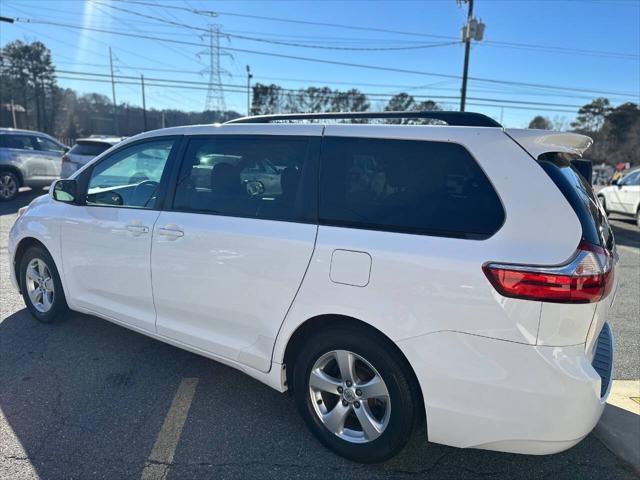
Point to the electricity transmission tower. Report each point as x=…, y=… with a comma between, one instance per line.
x=215, y=92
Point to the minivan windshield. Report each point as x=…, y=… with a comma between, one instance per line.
x=580, y=195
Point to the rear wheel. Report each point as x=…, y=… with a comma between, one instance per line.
x=355, y=394
x=9, y=185
x=40, y=285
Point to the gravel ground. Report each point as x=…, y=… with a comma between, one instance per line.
x=86, y=399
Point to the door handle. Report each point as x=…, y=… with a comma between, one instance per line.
x=137, y=229
x=172, y=232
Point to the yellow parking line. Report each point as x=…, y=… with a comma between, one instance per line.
x=157, y=465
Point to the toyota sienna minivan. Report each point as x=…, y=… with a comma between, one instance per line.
x=456, y=278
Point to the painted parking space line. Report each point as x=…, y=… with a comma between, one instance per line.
x=157, y=465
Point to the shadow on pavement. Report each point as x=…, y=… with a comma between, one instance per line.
x=86, y=399
x=626, y=232
x=24, y=198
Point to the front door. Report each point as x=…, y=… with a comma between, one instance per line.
x=106, y=242
x=228, y=257
x=629, y=193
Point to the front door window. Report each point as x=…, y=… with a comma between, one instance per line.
x=130, y=177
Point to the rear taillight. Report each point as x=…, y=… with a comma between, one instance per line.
x=587, y=278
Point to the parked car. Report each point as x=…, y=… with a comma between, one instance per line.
x=624, y=196
x=85, y=149
x=27, y=159
x=402, y=273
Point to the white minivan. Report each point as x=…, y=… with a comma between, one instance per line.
x=451, y=277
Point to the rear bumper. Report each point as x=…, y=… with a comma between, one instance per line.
x=497, y=395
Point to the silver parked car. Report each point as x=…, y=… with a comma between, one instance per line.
x=27, y=159
x=84, y=150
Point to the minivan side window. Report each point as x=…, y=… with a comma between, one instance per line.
x=130, y=177
x=408, y=186
x=251, y=176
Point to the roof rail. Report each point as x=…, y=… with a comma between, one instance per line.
x=458, y=119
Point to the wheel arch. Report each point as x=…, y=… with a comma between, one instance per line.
x=16, y=171
x=307, y=328
x=23, y=245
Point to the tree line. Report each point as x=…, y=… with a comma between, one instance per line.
x=615, y=130
x=29, y=88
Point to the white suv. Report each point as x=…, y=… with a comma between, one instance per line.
x=459, y=276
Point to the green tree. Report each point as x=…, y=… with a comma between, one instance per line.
x=350, y=101
x=30, y=75
x=400, y=102
x=591, y=116
x=541, y=123
x=266, y=99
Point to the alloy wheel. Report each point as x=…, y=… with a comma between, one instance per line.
x=39, y=285
x=8, y=186
x=349, y=396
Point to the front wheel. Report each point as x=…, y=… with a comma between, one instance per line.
x=355, y=394
x=40, y=285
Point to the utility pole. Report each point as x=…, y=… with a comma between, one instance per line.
x=249, y=77
x=144, y=104
x=113, y=93
x=471, y=30
x=467, y=48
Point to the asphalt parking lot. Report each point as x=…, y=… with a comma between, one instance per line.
x=84, y=398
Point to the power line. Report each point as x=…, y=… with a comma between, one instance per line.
x=331, y=62
x=496, y=89
x=242, y=88
x=558, y=49
x=280, y=42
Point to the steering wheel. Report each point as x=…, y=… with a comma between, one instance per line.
x=144, y=192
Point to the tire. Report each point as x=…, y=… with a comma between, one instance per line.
x=9, y=185
x=40, y=285
x=395, y=414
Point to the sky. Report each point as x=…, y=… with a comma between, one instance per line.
x=567, y=52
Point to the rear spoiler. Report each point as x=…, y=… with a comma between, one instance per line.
x=537, y=142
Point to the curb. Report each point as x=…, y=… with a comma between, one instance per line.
x=619, y=426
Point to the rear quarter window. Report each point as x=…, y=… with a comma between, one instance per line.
x=407, y=186
x=579, y=194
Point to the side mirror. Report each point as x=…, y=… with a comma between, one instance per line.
x=65, y=191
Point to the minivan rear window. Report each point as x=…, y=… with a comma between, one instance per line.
x=408, y=186
x=579, y=194
x=92, y=149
